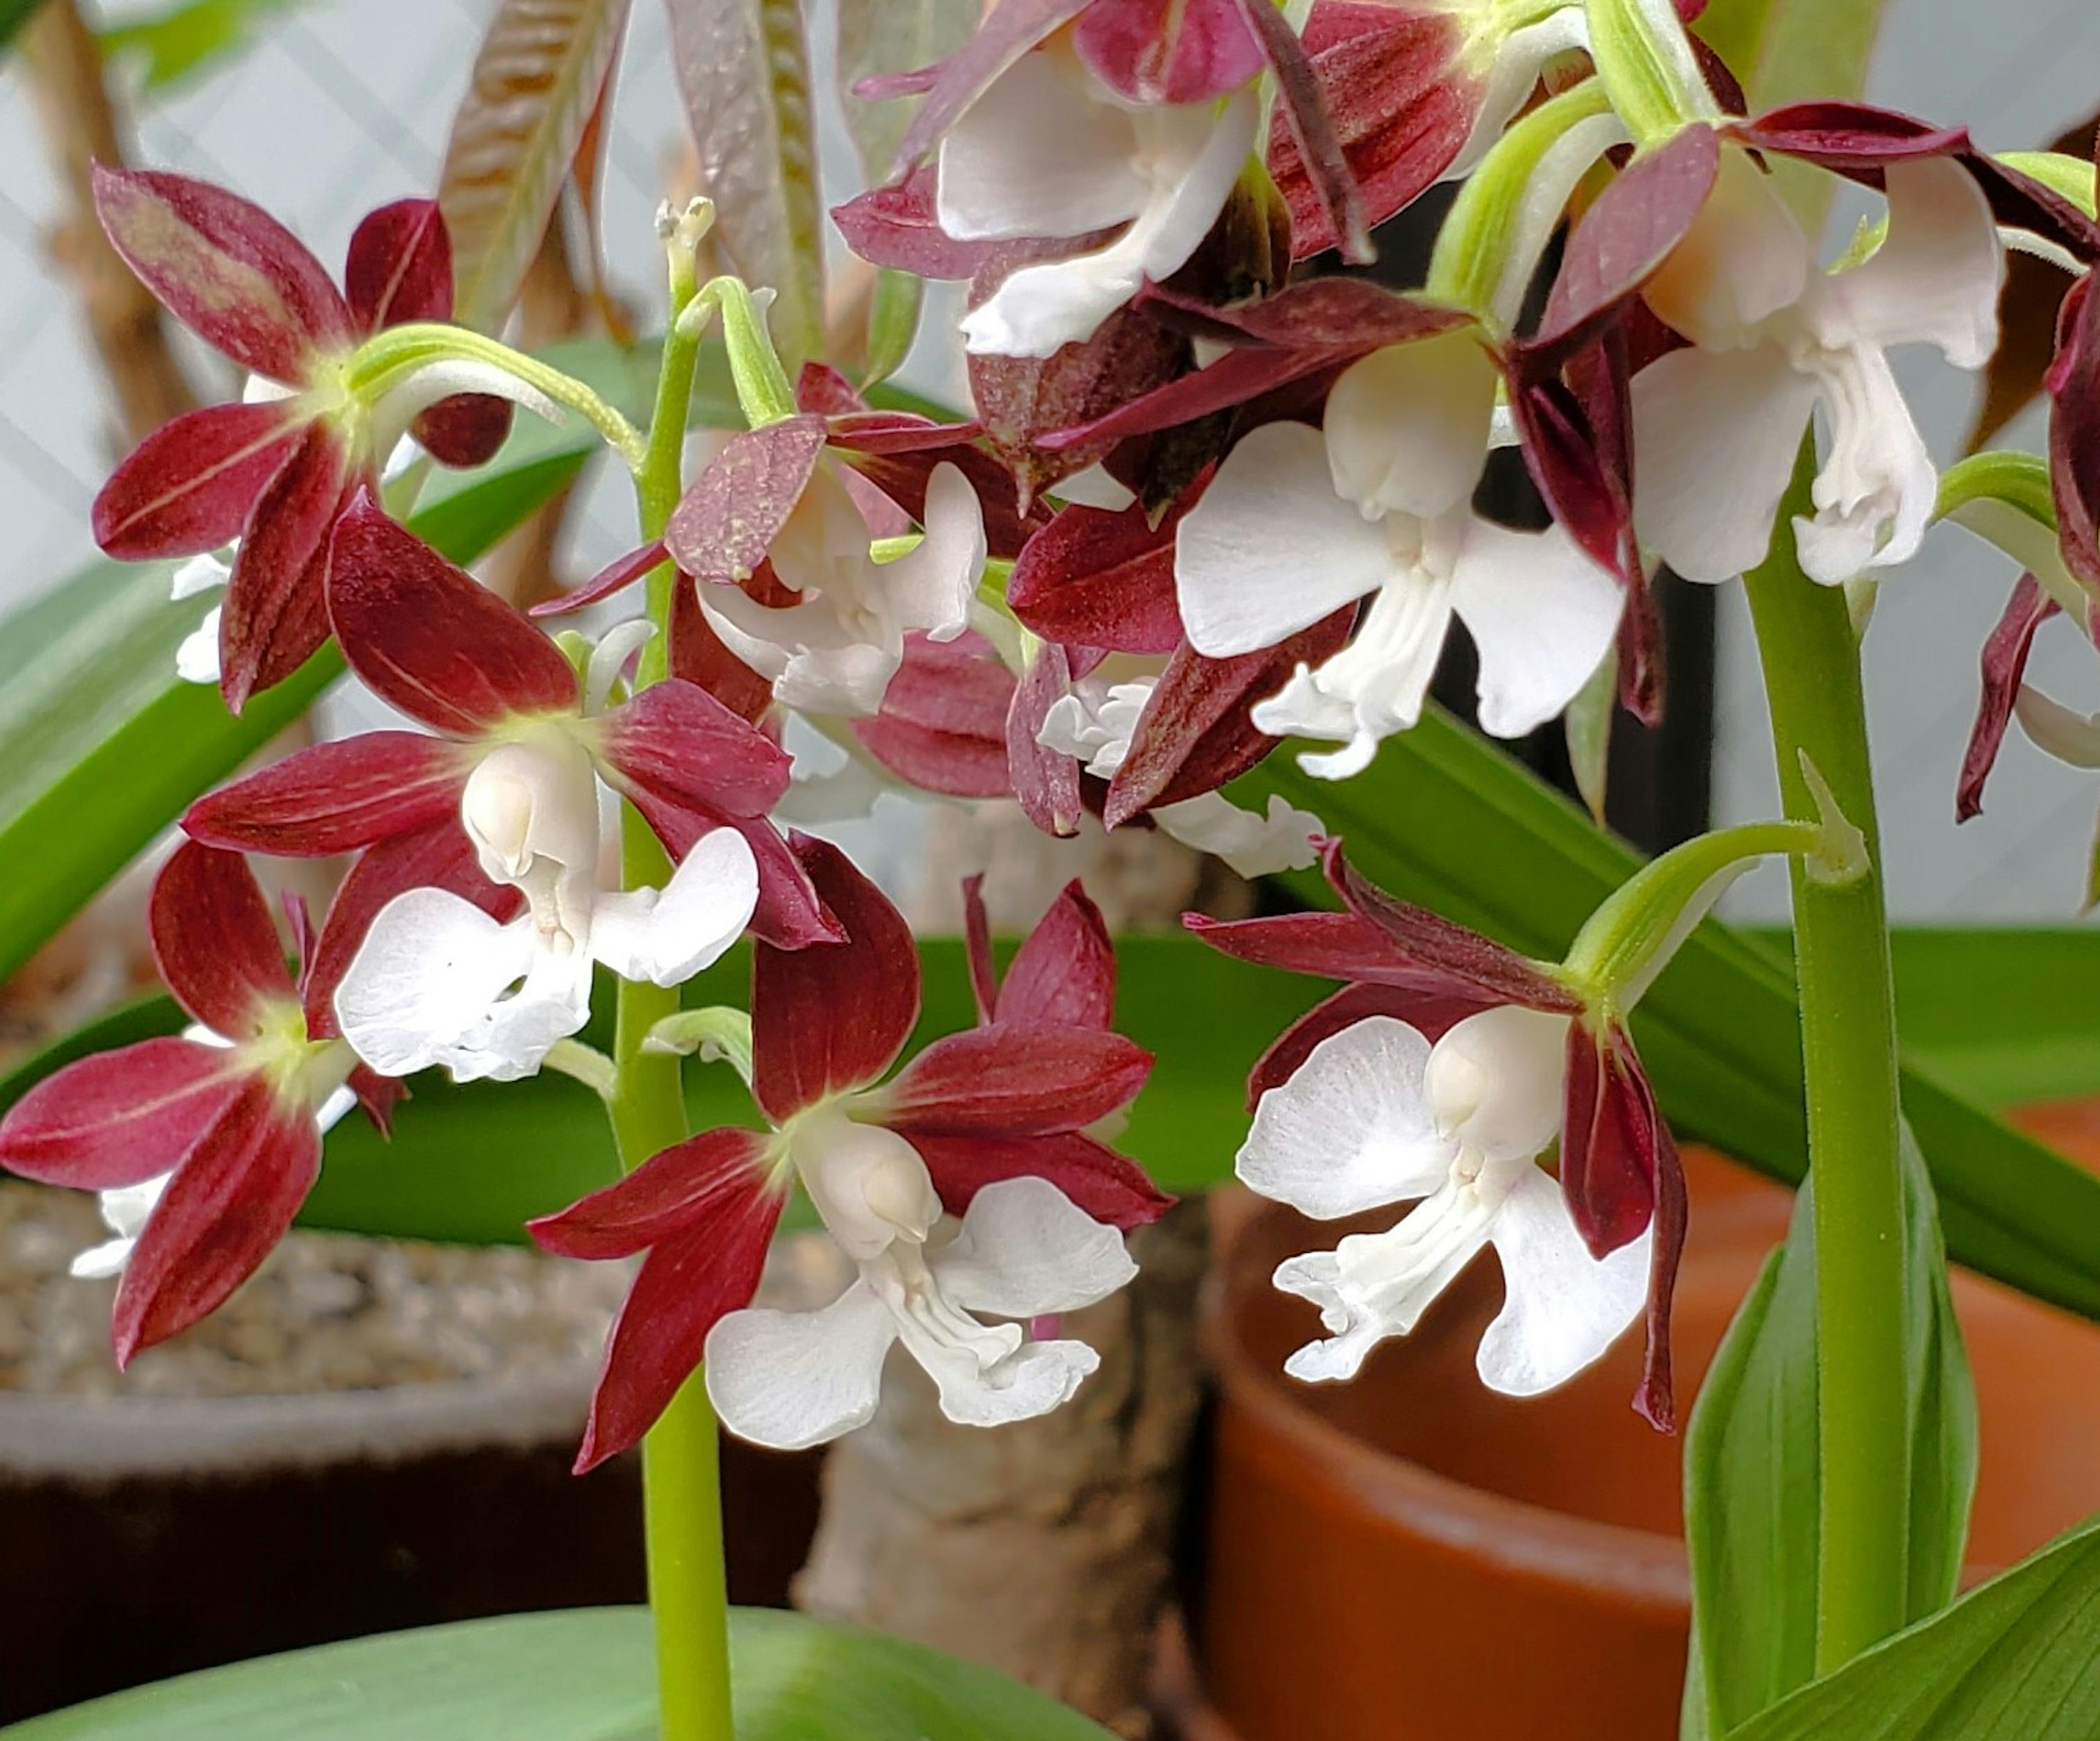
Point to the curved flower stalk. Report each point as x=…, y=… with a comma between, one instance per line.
x=1299, y=523
x=989, y=1125
x=203, y=1147
x=277, y=469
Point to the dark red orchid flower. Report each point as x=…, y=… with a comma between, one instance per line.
x=1008, y=1099
x=274, y=472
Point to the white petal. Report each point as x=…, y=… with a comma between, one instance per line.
x=1716, y=432
x=664, y=938
x=1252, y=844
x=1512, y=78
x=332, y=1111
x=1352, y=1128
x=2051, y=727
x=1194, y=155
x=1026, y=1250
x=197, y=660
x=433, y=381
x=1876, y=493
x=200, y=574
x=1542, y=616
x=1744, y=260
x=794, y=1379
x=1271, y=549
x=1562, y=1308
x=428, y=972
x=125, y=1211
x=609, y=657
x=1493, y=1081
x=1547, y=194
x=1040, y=153
x=1935, y=280
x=1406, y=428
x=932, y=586
x=1036, y=1378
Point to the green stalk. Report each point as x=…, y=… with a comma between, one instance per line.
x=681, y=1482
x=1812, y=669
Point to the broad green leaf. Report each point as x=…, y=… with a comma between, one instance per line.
x=1443, y=818
x=181, y=41
x=1751, y=1487
x=2013, y=1660
x=743, y=70
x=536, y=79
x=585, y=1674
x=2006, y=1016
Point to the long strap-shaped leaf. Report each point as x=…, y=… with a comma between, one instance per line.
x=1445, y=819
x=536, y=79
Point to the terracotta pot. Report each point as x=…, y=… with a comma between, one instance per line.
x=1414, y=1556
x=145, y=1537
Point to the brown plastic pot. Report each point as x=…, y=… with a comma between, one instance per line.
x=1411, y=1556
x=142, y=1537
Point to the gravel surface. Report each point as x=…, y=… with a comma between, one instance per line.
x=326, y=1312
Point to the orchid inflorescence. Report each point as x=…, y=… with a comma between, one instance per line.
x=1127, y=188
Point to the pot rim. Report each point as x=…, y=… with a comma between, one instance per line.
x=75, y=1437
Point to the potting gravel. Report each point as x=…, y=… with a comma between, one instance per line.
x=325, y=1312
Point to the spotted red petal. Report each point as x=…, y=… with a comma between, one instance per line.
x=1150, y=52
x=1609, y=1140
x=430, y=639
x=215, y=941
x=334, y=797
x=616, y=576
x=231, y=1199
x=1095, y=578
x=1197, y=730
x=702, y=658
x=1321, y=149
x=2074, y=432
x=1107, y=1185
x=897, y=227
x=705, y=1212
x=726, y=522
x=466, y=430
x=274, y=617
x=119, y=1118
x=1064, y=971
x=225, y=269
x=942, y=726
x=191, y=485
x=686, y=748
x=1328, y=945
x=1044, y=782
x=828, y=1019
x=901, y=473
x=2004, y=662
x=1015, y=1079
x=399, y=266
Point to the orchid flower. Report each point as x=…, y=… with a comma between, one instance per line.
x=204, y=1146
x=1717, y=425
x=1363, y=1114
x=989, y=1126
x=1298, y=522
x=277, y=469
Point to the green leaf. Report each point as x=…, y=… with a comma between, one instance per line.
x=14, y=14
x=587, y=1674
x=1751, y=1488
x=180, y=41
x=2004, y=1016
x=743, y=70
x=1443, y=818
x=2013, y=1660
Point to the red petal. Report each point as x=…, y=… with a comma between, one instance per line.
x=400, y=266
x=702, y=658
x=1064, y=974
x=191, y=484
x=431, y=639
x=1107, y=1185
x=828, y=1020
x=1323, y=156
x=2074, y=432
x=1656, y=1399
x=335, y=796
x=1575, y=422
x=1011, y=28
x=1045, y=782
x=1197, y=731
x=119, y=1118
x=942, y=726
x=790, y=915
x=467, y=429
x=976, y=948
x=677, y=741
x=439, y=855
x=727, y=521
x=821, y=389
x=1015, y=1079
x=705, y=1208
x=276, y=612
x=1153, y=51
x=616, y=576
x=1428, y=1014
x=231, y=1201
x=896, y=226
x=225, y=269
x=214, y=939
x=1097, y=578
x=2004, y=662
x=1609, y=1142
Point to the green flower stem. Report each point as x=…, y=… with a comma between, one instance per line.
x=681, y=1478
x=1841, y=946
